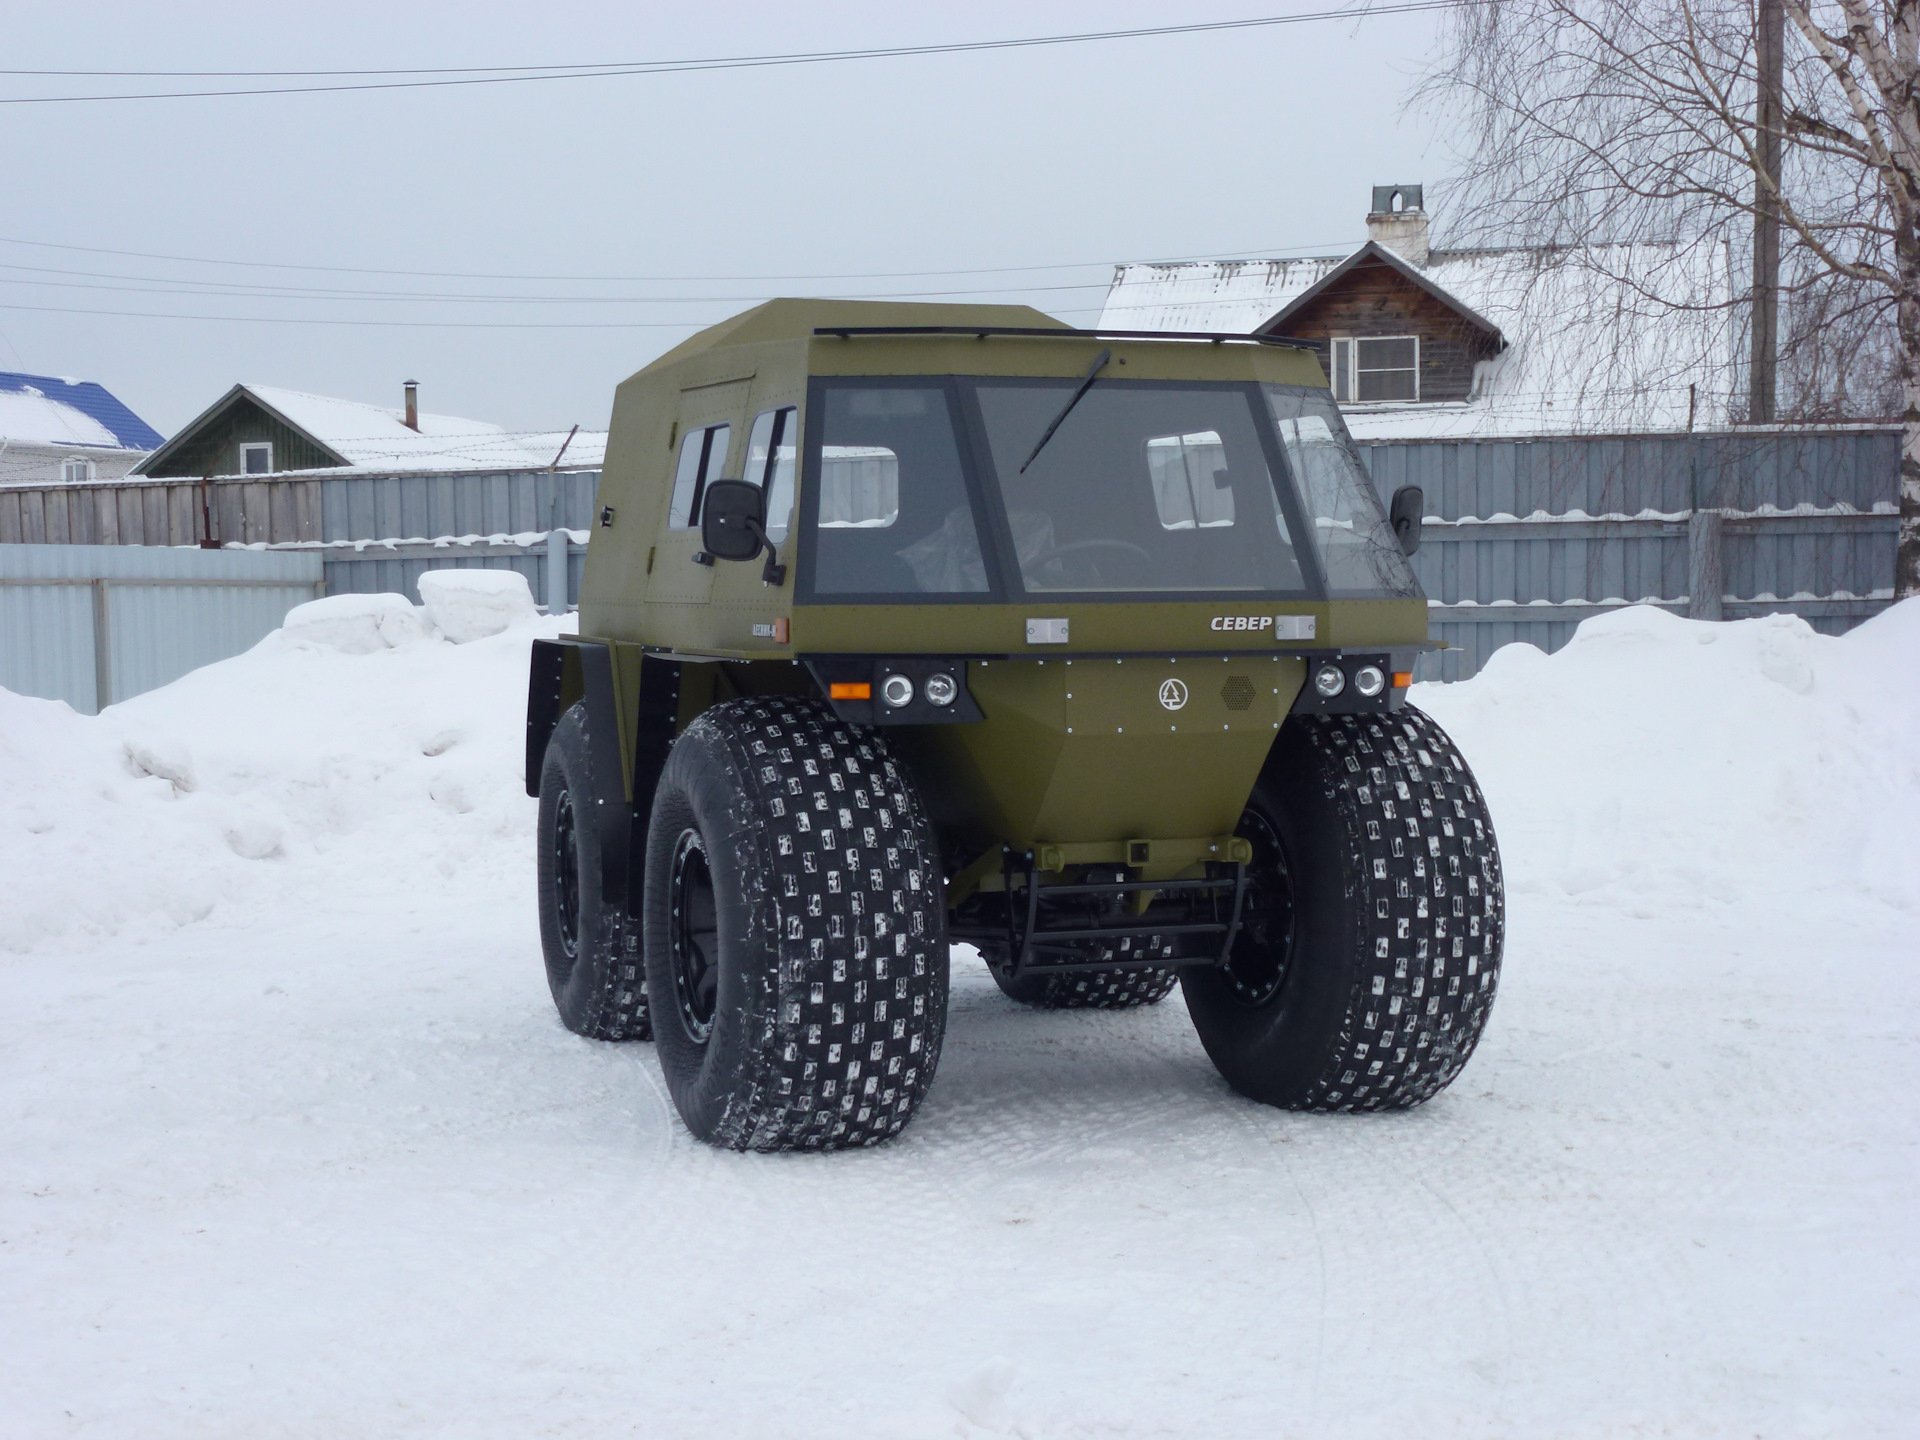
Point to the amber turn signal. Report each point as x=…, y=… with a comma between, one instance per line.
x=850, y=690
x=1402, y=679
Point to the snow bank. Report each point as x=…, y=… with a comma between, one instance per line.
x=1653, y=760
x=473, y=604
x=1656, y=757
x=348, y=753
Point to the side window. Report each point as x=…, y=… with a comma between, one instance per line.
x=1357, y=547
x=1190, y=486
x=891, y=511
x=770, y=464
x=702, y=454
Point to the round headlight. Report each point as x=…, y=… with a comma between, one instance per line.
x=1329, y=681
x=1369, y=680
x=940, y=689
x=897, y=690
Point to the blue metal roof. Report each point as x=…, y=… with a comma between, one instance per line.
x=92, y=400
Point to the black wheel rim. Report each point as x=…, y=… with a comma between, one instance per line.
x=566, y=875
x=695, y=935
x=1257, y=966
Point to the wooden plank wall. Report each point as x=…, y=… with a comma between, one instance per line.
x=159, y=512
x=1374, y=300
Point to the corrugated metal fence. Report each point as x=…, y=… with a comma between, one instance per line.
x=91, y=624
x=374, y=532
x=1526, y=538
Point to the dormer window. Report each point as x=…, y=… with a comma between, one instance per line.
x=76, y=469
x=256, y=458
x=1372, y=369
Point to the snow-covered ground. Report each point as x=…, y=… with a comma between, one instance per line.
x=293, y=1144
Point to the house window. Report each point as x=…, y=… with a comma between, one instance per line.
x=76, y=468
x=256, y=458
x=1387, y=368
x=702, y=454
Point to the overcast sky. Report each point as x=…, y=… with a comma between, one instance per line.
x=1255, y=141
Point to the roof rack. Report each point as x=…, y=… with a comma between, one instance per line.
x=1037, y=332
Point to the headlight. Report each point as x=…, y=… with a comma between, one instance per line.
x=1329, y=681
x=896, y=690
x=940, y=689
x=1369, y=680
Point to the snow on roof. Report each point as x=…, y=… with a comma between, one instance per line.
x=1234, y=297
x=376, y=438
x=1587, y=350
x=57, y=410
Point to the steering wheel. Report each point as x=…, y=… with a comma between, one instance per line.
x=1080, y=546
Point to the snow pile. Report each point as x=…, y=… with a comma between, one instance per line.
x=357, y=624
x=1657, y=758
x=352, y=752
x=473, y=604
x=1654, y=759
x=460, y=605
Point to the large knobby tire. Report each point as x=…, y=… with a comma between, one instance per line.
x=594, y=967
x=1088, y=989
x=1372, y=953
x=795, y=930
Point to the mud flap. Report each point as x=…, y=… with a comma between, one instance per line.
x=627, y=758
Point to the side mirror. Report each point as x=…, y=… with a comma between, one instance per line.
x=1409, y=505
x=730, y=527
x=733, y=527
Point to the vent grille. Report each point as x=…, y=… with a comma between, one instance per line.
x=1238, y=692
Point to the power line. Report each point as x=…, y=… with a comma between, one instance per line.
x=512, y=75
x=1262, y=251
x=396, y=324
x=408, y=324
x=231, y=290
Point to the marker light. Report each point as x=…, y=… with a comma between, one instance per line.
x=849, y=690
x=1402, y=679
x=1328, y=681
x=896, y=690
x=1369, y=680
x=940, y=689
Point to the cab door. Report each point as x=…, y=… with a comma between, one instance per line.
x=708, y=439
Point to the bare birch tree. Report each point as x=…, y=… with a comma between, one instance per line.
x=1638, y=120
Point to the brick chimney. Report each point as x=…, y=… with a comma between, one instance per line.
x=1397, y=222
x=413, y=404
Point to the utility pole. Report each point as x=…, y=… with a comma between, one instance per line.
x=1769, y=41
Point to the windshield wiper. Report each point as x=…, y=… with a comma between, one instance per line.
x=1099, y=364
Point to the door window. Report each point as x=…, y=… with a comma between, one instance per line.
x=770, y=464
x=703, y=454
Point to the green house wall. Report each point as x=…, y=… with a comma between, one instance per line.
x=217, y=444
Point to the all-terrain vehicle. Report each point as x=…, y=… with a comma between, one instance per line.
x=911, y=624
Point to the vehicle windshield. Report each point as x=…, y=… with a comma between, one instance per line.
x=1358, y=551
x=1145, y=486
